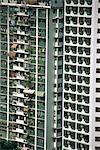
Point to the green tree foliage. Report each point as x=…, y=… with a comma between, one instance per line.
x=8, y=145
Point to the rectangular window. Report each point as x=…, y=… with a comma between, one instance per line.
x=97, y=89
x=98, y=50
x=98, y=60
x=60, y=76
x=97, y=70
x=97, y=119
x=97, y=109
x=97, y=99
x=97, y=139
x=54, y=11
x=97, y=80
x=97, y=148
x=98, y=20
x=98, y=31
x=97, y=129
x=98, y=40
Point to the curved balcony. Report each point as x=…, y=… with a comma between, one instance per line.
x=28, y=91
x=19, y=59
x=22, y=32
x=20, y=77
x=22, y=41
x=20, y=121
x=21, y=104
x=15, y=94
x=18, y=130
x=18, y=68
x=19, y=86
x=22, y=51
x=22, y=14
x=20, y=140
x=21, y=113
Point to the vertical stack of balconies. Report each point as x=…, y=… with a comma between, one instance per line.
x=3, y=72
x=19, y=74
x=77, y=50
x=58, y=66
x=24, y=74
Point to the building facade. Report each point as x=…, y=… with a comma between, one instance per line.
x=81, y=75
x=49, y=74
x=29, y=114
x=24, y=47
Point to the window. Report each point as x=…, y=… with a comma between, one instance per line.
x=60, y=40
x=97, y=129
x=97, y=70
x=97, y=99
x=97, y=148
x=54, y=11
x=97, y=109
x=98, y=50
x=59, y=85
x=98, y=60
x=60, y=76
x=97, y=89
x=40, y=142
x=97, y=119
x=98, y=40
x=97, y=139
x=98, y=20
x=60, y=11
x=98, y=10
x=55, y=85
x=55, y=1
x=60, y=20
x=97, y=80
x=98, y=31
x=40, y=132
x=21, y=118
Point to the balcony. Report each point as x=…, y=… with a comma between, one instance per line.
x=22, y=23
x=58, y=44
x=56, y=35
x=19, y=130
x=20, y=77
x=22, y=14
x=20, y=104
x=28, y=91
x=21, y=42
x=21, y=32
x=20, y=140
x=55, y=125
x=19, y=86
x=15, y=94
x=21, y=113
x=20, y=121
x=18, y=68
x=21, y=51
x=55, y=135
x=19, y=59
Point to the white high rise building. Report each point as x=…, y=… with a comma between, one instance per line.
x=50, y=74
x=81, y=75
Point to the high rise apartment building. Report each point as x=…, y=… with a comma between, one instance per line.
x=31, y=48
x=81, y=97
x=49, y=74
